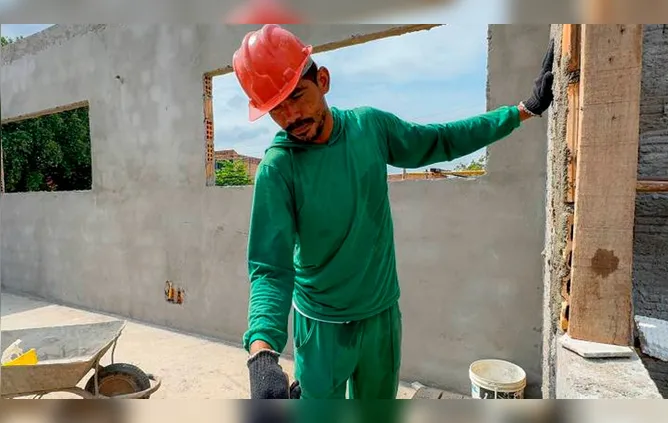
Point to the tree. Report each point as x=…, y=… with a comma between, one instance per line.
x=233, y=172
x=48, y=153
x=474, y=165
x=7, y=40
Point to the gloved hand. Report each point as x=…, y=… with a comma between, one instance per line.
x=542, y=94
x=295, y=390
x=267, y=378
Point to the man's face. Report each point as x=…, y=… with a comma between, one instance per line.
x=303, y=113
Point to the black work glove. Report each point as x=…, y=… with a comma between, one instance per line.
x=267, y=378
x=295, y=390
x=542, y=95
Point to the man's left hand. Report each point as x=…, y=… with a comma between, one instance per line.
x=542, y=95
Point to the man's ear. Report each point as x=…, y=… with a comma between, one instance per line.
x=323, y=80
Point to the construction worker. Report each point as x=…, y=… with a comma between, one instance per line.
x=321, y=232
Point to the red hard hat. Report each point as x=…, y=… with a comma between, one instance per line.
x=268, y=65
x=261, y=11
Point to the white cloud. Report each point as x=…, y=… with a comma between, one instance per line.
x=430, y=76
x=441, y=53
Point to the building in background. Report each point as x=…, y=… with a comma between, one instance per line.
x=250, y=162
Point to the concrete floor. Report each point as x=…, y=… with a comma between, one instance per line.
x=191, y=367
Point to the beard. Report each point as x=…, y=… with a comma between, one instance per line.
x=309, y=136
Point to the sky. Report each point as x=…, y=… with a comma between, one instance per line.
x=429, y=76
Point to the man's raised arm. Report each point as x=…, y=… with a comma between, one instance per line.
x=412, y=145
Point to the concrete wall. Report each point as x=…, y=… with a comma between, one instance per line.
x=469, y=252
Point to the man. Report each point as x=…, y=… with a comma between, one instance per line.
x=321, y=233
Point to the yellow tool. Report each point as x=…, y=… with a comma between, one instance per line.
x=28, y=358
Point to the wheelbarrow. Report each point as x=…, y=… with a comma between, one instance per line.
x=66, y=354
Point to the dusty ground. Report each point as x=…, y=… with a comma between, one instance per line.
x=191, y=367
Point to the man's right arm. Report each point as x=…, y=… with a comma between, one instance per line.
x=271, y=241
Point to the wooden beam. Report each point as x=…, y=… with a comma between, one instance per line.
x=649, y=185
x=572, y=128
x=605, y=189
x=570, y=51
x=570, y=46
x=52, y=111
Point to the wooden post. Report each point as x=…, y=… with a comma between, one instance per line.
x=570, y=51
x=605, y=188
x=570, y=54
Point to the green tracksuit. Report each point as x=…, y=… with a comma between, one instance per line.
x=321, y=239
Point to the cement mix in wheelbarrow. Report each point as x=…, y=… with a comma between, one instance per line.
x=65, y=344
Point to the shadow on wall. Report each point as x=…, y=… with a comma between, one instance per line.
x=658, y=371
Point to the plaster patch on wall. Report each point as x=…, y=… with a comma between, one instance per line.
x=556, y=227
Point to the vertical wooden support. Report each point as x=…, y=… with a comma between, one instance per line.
x=570, y=46
x=570, y=49
x=605, y=189
x=572, y=125
x=208, y=128
x=570, y=55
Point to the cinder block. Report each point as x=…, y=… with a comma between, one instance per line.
x=653, y=334
x=428, y=393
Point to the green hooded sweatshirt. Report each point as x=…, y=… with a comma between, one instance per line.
x=321, y=235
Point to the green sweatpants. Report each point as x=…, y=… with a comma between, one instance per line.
x=364, y=355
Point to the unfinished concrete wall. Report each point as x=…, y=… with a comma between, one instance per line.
x=469, y=252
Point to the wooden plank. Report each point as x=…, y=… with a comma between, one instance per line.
x=572, y=136
x=51, y=111
x=563, y=316
x=570, y=52
x=605, y=189
x=648, y=185
x=570, y=46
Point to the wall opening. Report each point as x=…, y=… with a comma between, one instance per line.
x=423, y=76
x=47, y=151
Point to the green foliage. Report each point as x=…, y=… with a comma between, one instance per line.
x=233, y=172
x=48, y=153
x=474, y=165
x=7, y=40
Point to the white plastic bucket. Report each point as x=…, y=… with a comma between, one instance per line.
x=497, y=379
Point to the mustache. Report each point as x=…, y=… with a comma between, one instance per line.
x=299, y=124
